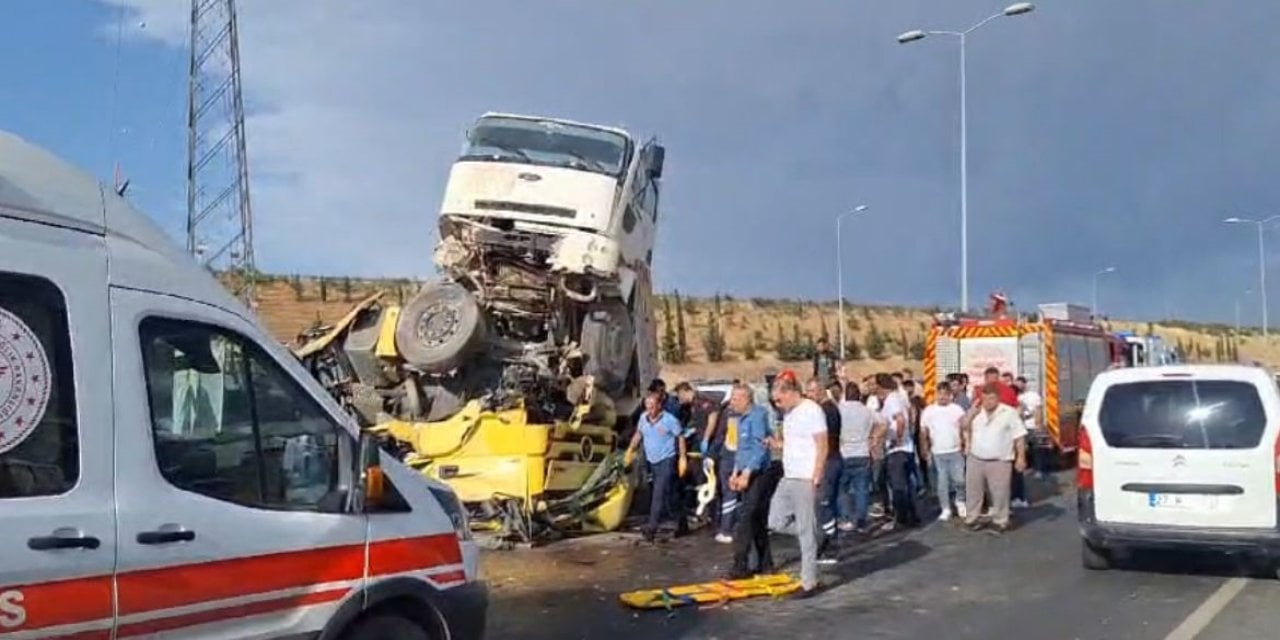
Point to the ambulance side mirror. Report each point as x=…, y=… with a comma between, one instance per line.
x=373, y=484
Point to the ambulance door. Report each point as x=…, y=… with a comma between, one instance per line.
x=234, y=480
x=57, y=528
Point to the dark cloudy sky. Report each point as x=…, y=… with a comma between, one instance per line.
x=1102, y=132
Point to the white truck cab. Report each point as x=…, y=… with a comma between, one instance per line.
x=168, y=470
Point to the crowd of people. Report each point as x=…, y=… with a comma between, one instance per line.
x=831, y=459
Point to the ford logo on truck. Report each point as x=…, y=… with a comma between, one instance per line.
x=530, y=177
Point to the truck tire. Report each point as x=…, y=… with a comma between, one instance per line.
x=1093, y=558
x=439, y=327
x=385, y=627
x=608, y=344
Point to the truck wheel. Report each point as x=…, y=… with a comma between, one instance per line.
x=385, y=626
x=1094, y=558
x=439, y=327
x=608, y=342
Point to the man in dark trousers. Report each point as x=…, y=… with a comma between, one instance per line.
x=664, y=450
x=747, y=480
x=825, y=364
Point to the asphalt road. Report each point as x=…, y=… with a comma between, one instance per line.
x=935, y=582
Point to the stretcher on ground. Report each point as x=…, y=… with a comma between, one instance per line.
x=715, y=592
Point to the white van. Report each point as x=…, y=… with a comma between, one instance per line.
x=167, y=470
x=1177, y=457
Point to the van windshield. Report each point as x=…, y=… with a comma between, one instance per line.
x=1182, y=414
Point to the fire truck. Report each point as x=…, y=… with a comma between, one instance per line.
x=1058, y=353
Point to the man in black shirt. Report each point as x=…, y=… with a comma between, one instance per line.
x=829, y=492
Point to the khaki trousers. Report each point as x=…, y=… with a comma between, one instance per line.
x=988, y=476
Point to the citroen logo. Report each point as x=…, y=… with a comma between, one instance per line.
x=1179, y=461
x=530, y=177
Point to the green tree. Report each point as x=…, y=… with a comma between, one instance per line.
x=295, y=283
x=682, y=342
x=749, y=349
x=852, y=350
x=713, y=342
x=916, y=352
x=877, y=347
x=1151, y=329
x=780, y=341
x=324, y=289
x=670, y=348
x=822, y=327
x=346, y=289
x=904, y=343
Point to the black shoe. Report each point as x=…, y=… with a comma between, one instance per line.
x=828, y=558
x=805, y=594
x=648, y=534
x=976, y=525
x=739, y=574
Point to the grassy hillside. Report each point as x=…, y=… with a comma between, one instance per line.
x=756, y=334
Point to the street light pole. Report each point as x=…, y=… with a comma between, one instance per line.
x=840, y=275
x=1096, y=313
x=1016, y=9
x=1262, y=262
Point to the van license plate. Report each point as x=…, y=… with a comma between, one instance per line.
x=1180, y=501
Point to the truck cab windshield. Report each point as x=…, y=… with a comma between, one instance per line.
x=547, y=143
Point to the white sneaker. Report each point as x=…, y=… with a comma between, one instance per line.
x=724, y=539
x=1019, y=504
x=944, y=516
x=960, y=510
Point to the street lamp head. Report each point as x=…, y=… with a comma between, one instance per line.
x=911, y=36
x=1109, y=270
x=1019, y=8
x=860, y=208
x=1232, y=220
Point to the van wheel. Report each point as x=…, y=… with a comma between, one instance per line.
x=1093, y=558
x=385, y=627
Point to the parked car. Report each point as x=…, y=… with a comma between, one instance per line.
x=1181, y=456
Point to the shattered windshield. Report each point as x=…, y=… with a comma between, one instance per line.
x=547, y=143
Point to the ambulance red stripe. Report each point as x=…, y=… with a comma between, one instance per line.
x=228, y=613
x=87, y=600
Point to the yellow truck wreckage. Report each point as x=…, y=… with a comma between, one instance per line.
x=521, y=480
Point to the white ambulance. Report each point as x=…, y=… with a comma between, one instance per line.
x=167, y=470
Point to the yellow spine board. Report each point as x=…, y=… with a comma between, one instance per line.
x=717, y=592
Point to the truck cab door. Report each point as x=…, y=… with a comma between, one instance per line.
x=57, y=523
x=235, y=478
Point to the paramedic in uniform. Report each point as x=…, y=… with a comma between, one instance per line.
x=748, y=432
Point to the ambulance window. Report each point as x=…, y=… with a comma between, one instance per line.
x=39, y=445
x=230, y=424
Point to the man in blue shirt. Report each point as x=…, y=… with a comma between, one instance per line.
x=748, y=431
x=664, y=450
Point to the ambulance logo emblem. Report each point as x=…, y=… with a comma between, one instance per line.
x=24, y=381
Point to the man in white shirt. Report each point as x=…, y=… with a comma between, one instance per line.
x=804, y=454
x=995, y=439
x=941, y=440
x=901, y=450
x=1031, y=405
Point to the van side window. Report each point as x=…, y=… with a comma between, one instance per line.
x=39, y=437
x=230, y=424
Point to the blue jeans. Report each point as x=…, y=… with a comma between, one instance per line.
x=948, y=474
x=855, y=490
